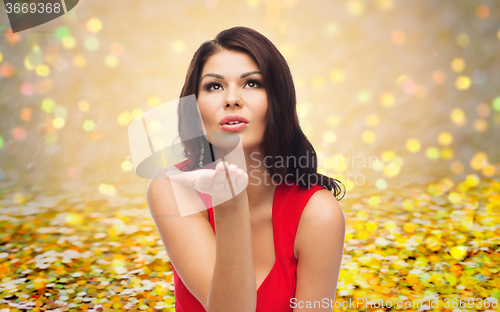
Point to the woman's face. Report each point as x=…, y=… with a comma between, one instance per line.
x=231, y=86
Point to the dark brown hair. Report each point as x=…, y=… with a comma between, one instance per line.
x=283, y=137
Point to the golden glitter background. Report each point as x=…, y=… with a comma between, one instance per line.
x=399, y=98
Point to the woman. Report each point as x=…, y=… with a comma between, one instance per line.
x=274, y=246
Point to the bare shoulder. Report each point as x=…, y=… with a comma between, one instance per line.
x=323, y=208
x=159, y=193
x=322, y=217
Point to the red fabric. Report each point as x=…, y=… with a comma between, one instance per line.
x=278, y=287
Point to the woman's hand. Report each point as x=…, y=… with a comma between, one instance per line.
x=215, y=183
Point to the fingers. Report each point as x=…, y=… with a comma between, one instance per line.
x=241, y=178
x=220, y=174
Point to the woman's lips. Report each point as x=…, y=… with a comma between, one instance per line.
x=234, y=127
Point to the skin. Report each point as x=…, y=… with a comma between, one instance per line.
x=224, y=271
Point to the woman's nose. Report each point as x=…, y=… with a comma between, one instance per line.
x=233, y=98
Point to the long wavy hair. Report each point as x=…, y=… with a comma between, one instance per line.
x=283, y=137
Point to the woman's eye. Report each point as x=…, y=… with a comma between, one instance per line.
x=212, y=86
x=253, y=83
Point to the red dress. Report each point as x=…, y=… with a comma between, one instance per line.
x=278, y=287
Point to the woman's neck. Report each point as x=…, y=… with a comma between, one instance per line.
x=260, y=189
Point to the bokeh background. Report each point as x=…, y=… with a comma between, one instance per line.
x=401, y=100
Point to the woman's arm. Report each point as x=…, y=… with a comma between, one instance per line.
x=233, y=285
x=320, y=246
x=217, y=271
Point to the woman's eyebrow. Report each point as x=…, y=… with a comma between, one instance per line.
x=222, y=77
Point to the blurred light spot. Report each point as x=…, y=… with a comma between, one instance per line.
x=19, y=133
x=333, y=121
x=178, y=46
x=398, y=37
x=62, y=32
x=107, y=189
x=331, y=28
x=94, y=25
x=489, y=170
x=27, y=89
x=355, y=7
x=388, y=155
x=457, y=64
x=463, y=40
x=454, y=198
x=111, y=61
x=26, y=114
x=479, y=160
x=42, y=70
x=124, y=118
x=374, y=201
x=413, y=145
x=363, y=96
x=48, y=105
x=91, y=43
x=1, y=57
x=447, y=153
x=88, y=125
x=83, y=106
x=377, y=165
x=482, y=11
x=438, y=76
x=337, y=76
x=362, y=215
x=458, y=117
x=58, y=122
x=471, y=180
x=33, y=59
x=1, y=141
x=136, y=113
x=390, y=226
x=496, y=104
x=368, y=136
x=408, y=86
x=480, y=125
x=432, y=153
x=116, y=49
x=381, y=184
x=79, y=61
x=372, y=120
x=457, y=167
x=329, y=137
x=483, y=110
x=317, y=82
x=385, y=5
x=253, y=3
x=153, y=101
x=68, y=42
x=127, y=165
x=445, y=138
x=391, y=169
x=12, y=38
x=387, y=99
x=7, y=70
